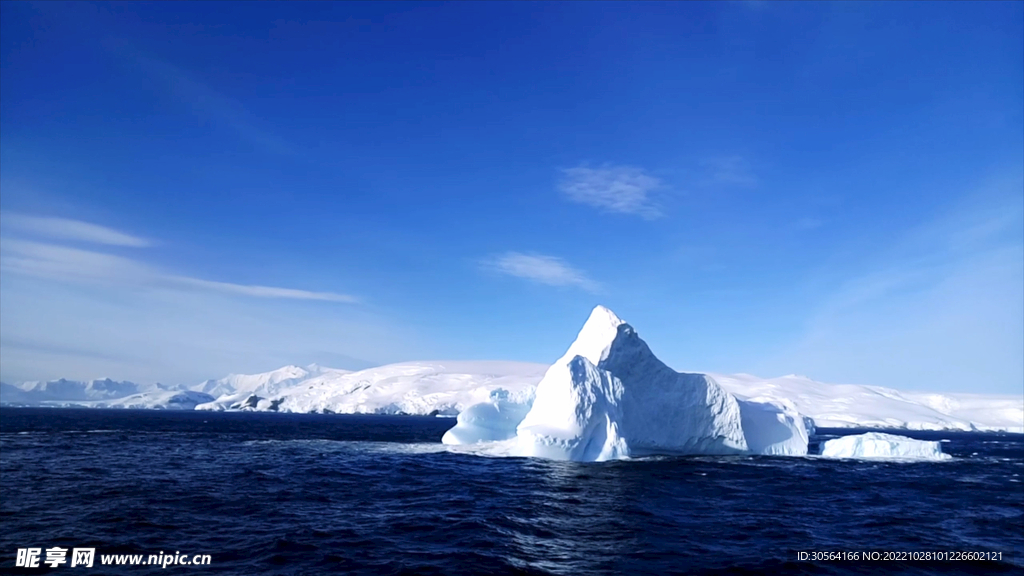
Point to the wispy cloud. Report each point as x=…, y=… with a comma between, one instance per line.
x=548, y=270
x=728, y=170
x=74, y=264
x=621, y=189
x=263, y=291
x=62, y=262
x=74, y=310
x=67, y=229
x=181, y=336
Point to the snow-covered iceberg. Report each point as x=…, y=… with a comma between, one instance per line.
x=879, y=445
x=610, y=397
x=491, y=421
x=578, y=418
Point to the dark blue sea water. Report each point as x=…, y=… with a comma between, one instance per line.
x=319, y=494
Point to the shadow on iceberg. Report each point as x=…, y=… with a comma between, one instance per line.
x=773, y=428
x=610, y=397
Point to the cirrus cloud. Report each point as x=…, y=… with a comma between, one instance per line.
x=548, y=270
x=621, y=189
x=68, y=229
x=80, y=265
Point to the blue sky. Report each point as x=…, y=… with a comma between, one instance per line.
x=192, y=189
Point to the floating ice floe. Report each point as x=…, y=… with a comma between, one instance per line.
x=880, y=445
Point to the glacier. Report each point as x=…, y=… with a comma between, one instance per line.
x=880, y=445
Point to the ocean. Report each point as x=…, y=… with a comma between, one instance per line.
x=266, y=493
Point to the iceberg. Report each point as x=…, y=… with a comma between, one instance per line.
x=579, y=418
x=880, y=445
x=610, y=397
x=492, y=421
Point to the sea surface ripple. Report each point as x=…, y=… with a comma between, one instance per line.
x=317, y=494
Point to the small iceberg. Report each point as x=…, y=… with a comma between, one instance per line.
x=491, y=421
x=879, y=445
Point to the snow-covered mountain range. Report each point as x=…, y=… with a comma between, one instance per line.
x=103, y=393
x=440, y=388
x=449, y=388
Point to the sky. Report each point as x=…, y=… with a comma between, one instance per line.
x=189, y=190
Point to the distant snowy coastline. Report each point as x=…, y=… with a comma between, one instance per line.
x=448, y=388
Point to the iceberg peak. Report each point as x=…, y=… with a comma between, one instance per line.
x=603, y=315
x=594, y=341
